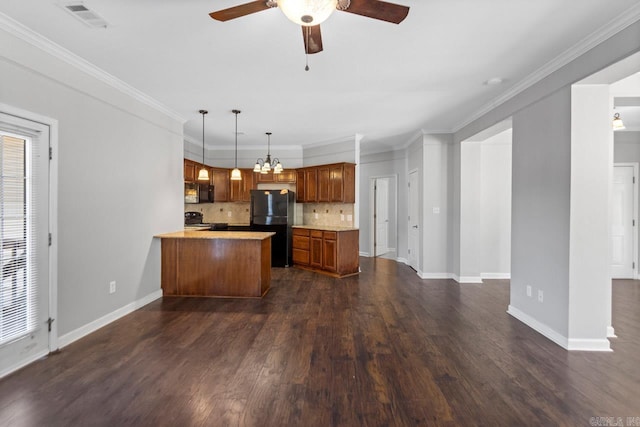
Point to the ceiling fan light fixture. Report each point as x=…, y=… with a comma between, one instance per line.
x=307, y=12
x=617, y=123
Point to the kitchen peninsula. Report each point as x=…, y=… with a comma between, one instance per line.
x=216, y=263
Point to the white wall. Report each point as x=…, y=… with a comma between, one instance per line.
x=120, y=182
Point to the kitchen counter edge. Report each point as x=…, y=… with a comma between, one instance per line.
x=233, y=235
x=325, y=227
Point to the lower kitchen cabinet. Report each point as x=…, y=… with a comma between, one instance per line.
x=333, y=252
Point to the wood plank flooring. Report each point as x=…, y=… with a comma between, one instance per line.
x=380, y=349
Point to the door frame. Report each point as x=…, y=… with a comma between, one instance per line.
x=53, y=215
x=634, y=204
x=372, y=211
x=417, y=249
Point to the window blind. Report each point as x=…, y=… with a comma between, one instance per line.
x=18, y=294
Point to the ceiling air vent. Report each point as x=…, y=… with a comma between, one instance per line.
x=84, y=14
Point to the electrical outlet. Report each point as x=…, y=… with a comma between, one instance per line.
x=529, y=290
x=315, y=216
x=540, y=296
x=341, y=217
x=349, y=217
x=229, y=214
x=112, y=287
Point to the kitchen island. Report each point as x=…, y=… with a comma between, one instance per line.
x=216, y=263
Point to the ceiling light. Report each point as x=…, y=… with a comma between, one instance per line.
x=617, y=122
x=203, y=175
x=236, y=175
x=307, y=12
x=265, y=166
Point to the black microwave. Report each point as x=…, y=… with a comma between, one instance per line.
x=198, y=193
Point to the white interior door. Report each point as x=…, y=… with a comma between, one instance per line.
x=414, y=232
x=382, y=216
x=622, y=223
x=24, y=242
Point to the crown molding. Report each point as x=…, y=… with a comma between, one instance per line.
x=348, y=138
x=278, y=148
x=37, y=40
x=594, y=39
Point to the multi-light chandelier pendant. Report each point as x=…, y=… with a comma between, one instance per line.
x=262, y=166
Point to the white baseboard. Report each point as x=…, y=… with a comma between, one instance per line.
x=437, y=276
x=364, y=254
x=611, y=333
x=467, y=279
x=403, y=260
x=495, y=275
x=589, y=344
x=572, y=344
x=85, y=330
x=541, y=328
x=6, y=371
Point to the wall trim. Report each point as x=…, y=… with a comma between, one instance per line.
x=467, y=279
x=364, y=254
x=37, y=40
x=8, y=370
x=611, y=333
x=437, y=276
x=605, y=32
x=90, y=327
x=495, y=275
x=539, y=327
x=576, y=344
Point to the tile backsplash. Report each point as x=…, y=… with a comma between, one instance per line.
x=334, y=214
x=231, y=213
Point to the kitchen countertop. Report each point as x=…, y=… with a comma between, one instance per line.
x=325, y=227
x=199, y=234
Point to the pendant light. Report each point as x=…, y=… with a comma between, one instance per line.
x=203, y=175
x=236, y=175
x=265, y=166
x=617, y=122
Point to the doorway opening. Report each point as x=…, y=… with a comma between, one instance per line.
x=384, y=216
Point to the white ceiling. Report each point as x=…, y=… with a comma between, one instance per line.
x=386, y=82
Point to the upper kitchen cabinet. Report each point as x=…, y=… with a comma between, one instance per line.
x=190, y=170
x=241, y=190
x=335, y=183
x=287, y=176
x=219, y=178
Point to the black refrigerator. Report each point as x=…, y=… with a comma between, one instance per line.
x=273, y=210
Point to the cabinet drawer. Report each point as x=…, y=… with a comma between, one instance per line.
x=301, y=242
x=301, y=232
x=316, y=233
x=329, y=235
x=300, y=256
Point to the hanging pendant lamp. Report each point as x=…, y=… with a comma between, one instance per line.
x=236, y=175
x=265, y=166
x=203, y=175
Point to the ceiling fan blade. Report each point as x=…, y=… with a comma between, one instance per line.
x=377, y=9
x=312, y=39
x=239, y=11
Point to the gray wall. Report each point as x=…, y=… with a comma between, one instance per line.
x=119, y=181
x=540, y=209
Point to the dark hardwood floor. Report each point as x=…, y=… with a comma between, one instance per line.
x=380, y=349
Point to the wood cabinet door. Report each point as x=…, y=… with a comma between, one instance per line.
x=249, y=184
x=336, y=183
x=300, y=193
x=311, y=185
x=190, y=172
x=264, y=177
x=287, y=176
x=329, y=255
x=220, y=181
x=324, y=184
x=316, y=252
x=349, y=183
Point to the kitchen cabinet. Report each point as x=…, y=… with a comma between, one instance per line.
x=334, y=183
x=219, y=178
x=287, y=176
x=190, y=170
x=241, y=190
x=324, y=184
x=300, y=193
x=329, y=251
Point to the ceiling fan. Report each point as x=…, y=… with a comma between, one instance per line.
x=311, y=13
